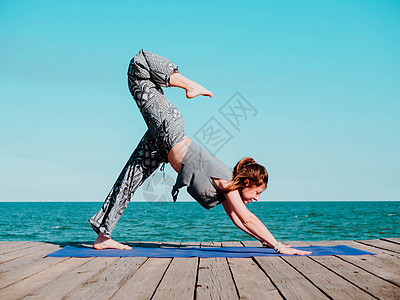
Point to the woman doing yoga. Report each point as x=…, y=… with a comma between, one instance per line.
x=209, y=181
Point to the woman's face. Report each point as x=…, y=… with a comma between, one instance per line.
x=250, y=193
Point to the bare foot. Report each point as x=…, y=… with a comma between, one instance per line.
x=103, y=242
x=192, y=88
x=196, y=89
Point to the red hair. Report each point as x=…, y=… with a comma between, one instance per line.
x=246, y=168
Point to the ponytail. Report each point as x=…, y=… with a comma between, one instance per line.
x=246, y=168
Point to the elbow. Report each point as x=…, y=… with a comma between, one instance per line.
x=249, y=220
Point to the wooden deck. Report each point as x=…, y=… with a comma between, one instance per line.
x=26, y=273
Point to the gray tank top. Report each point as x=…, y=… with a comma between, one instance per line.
x=197, y=170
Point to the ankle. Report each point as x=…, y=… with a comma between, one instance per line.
x=178, y=80
x=190, y=86
x=102, y=238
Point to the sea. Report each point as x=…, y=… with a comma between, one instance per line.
x=62, y=222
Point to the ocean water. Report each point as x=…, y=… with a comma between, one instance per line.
x=61, y=222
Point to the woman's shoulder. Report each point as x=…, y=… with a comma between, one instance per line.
x=221, y=183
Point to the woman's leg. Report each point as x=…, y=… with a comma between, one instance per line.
x=192, y=88
x=142, y=163
x=147, y=73
x=161, y=71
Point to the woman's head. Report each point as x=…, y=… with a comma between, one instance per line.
x=249, y=178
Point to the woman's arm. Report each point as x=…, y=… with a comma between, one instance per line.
x=249, y=223
x=237, y=222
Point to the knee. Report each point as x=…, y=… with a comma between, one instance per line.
x=138, y=66
x=139, y=56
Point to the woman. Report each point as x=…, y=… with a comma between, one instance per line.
x=208, y=180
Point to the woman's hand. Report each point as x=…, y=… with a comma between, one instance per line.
x=286, y=249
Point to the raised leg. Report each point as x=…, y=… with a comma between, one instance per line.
x=192, y=88
x=147, y=73
x=163, y=73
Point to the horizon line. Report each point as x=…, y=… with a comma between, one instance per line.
x=193, y=201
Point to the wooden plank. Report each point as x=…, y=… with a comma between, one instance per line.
x=170, y=245
x=179, y=280
x=214, y=280
x=6, y=244
x=107, y=283
x=252, y=243
x=32, y=283
x=210, y=244
x=149, y=244
x=251, y=282
x=11, y=244
x=69, y=281
x=382, y=265
x=382, y=245
x=29, y=256
x=144, y=281
x=290, y=283
x=256, y=243
x=138, y=275
x=359, y=277
x=138, y=280
x=15, y=246
x=21, y=252
x=259, y=244
x=190, y=244
x=328, y=282
x=19, y=274
x=356, y=274
x=295, y=244
x=393, y=240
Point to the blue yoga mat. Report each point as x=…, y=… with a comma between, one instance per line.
x=69, y=251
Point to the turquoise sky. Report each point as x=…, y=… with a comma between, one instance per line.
x=323, y=77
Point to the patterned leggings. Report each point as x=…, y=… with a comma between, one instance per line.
x=147, y=73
